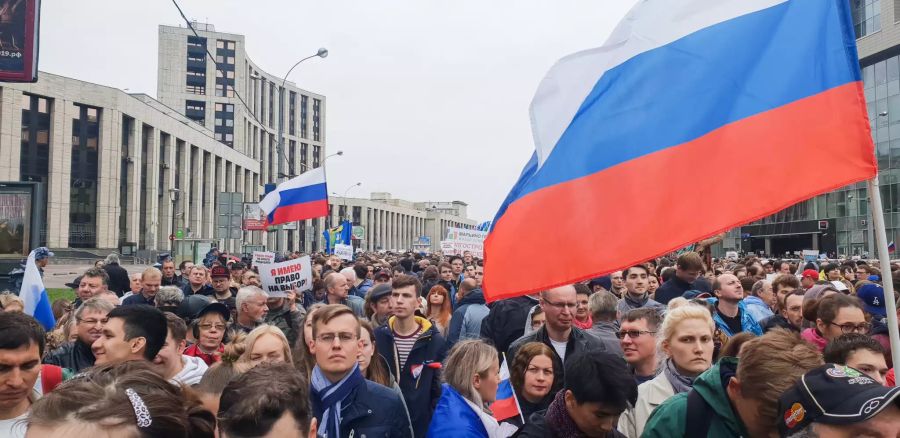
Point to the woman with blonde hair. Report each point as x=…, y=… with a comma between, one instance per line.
x=686, y=337
x=471, y=376
x=266, y=343
x=439, y=308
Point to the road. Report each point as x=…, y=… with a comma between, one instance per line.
x=56, y=276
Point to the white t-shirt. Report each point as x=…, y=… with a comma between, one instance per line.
x=560, y=348
x=14, y=427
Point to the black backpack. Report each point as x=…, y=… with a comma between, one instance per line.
x=698, y=416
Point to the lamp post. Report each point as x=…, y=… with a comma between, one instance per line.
x=321, y=53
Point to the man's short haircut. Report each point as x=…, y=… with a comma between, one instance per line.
x=169, y=296
x=628, y=269
x=747, y=283
x=95, y=304
x=176, y=326
x=467, y=285
x=361, y=270
x=689, y=261
x=143, y=321
x=401, y=281
x=331, y=279
x=183, y=264
x=649, y=314
x=758, y=287
x=770, y=365
x=830, y=267
x=443, y=265
x=666, y=274
x=247, y=292
x=325, y=314
x=151, y=272
x=582, y=289
x=200, y=267
x=255, y=400
x=840, y=348
x=603, y=306
x=600, y=377
x=782, y=302
x=134, y=275
x=455, y=258
x=785, y=280
x=19, y=330
x=97, y=273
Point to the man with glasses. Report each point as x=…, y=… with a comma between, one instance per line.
x=344, y=402
x=636, y=295
x=558, y=332
x=77, y=355
x=251, y=308
x=637, y=336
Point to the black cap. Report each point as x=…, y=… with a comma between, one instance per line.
x=384, y=273
x=191, y=305
x=379, y=291
x=214, y=307
x=832, y=394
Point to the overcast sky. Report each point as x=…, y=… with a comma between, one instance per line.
x=428, y=99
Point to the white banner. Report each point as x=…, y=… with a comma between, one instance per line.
x=465, y=235
x=345, y=252
x=279, y=278
x=263, y=258
x=456, y=247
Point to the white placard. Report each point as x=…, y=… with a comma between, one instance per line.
x=345, y=252
x=279, y=278
x=263, y=258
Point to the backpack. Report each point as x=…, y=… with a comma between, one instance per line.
x=51, y=377
x=698, y=416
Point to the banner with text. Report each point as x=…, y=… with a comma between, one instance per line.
x=345, y=252
x=279, y=278
x=460, y=240
x=263, y=258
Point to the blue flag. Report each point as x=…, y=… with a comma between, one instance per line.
x=34, y=295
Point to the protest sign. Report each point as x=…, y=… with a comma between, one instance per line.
x=810, y=255
x=345, y=252
x=460, y=240
x=253, y=218
x=279, y=278
x=263, y=258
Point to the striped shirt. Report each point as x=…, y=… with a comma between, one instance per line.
x=405, y=344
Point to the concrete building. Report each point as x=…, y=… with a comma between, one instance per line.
x=395, y=224
x=839, y=222
x=243, y=106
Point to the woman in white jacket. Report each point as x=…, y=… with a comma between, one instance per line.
x=686, y=338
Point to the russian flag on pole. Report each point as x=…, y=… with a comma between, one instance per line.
x=303, y=197
x=643, y=143
x=506, y=406
x=891, y=247
x=34, y=295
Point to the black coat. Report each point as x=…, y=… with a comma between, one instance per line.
x=74, y=356
x=118, y=278
x=506, y=321
x=675, y=287
x=536, y=427
x=371, y=410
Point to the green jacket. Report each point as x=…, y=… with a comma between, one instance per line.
x=668, y=420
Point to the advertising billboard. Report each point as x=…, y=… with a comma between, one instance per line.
x=19, y=31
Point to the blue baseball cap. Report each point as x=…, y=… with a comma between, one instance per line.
x=872, y=296
x=42, y=253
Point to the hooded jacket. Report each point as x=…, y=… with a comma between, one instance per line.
x=466, y=320
x=757, y=308
x=419, y=378
x=748, y=324
x=812, y=336
x=669, y=418
x=193, y=370
x=506, y=321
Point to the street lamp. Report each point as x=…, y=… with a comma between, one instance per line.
x=306, y=166
x=321, y=53
x=345, y=197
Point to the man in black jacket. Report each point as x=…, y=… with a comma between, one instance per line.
x=118, y=276
x=506, y=320
x=688, y=270
x=77, y=355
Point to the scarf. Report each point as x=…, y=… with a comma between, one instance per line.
x=636, y=303
x=558, y=419
x=583, y=325
x=679, y=382
x=330, y=395
x=195, y=351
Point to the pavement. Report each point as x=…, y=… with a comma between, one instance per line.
x=56, y=276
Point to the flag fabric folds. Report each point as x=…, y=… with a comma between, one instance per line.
x=505, y=406
x=341, y=234
x=34, y=295
x=300, y=198
x=643, y=144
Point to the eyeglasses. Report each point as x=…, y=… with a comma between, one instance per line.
x=854, y=328
x=633, y=333
x=208, y=326
x=328, y=338
x=561, y=306
x=91, y=321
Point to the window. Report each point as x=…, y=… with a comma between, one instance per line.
x=271, y=104
x=35, y=146
x=195, y=89
x=866, y=16
x=304, y=150
x=292, y=108
x=315, y=158
x=304, y=101
x=316, y=105
x=85, y=166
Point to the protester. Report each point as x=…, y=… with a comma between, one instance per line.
x=251, y=308
x=371, y=365
x=120, y=400
x=222, y=290
x=470, y=385
x=558, y=333
x=790, y=313
x=836, y=314
x=91, y=283
x=250, y=278
x=266, y=343
x=209, y=327
x=637, y=336
x=537, y=319
x=531, y=376
x=507, y=319
x=457, y=264
x=169, y=278
x=305, y=361
x=268, y=401
x=150, y=282
x=184, y=272
x=338, y=290
x=133, y=332
x=11, y=303
x=652, y=284
x=686, y=338
x=617, y=283
x=688, y=270
x=168, y=298
x=237, y=270
x=761, y=302
x=860, y=352
x=118, y=276
x=284, y=314
x=470, y=312
x=413, y=349
x=730, y=314
x=198, y=282
x=343, y=401
x=809, y=278
x=737, y=397
x=438, y=310
x=213, y=382
x=597, y=391
x=170, y=363
x=582, y=318
x=77, y=355
x=378, y=304
x=636, y=296
x=604, y=314
x=135, y=286
x=21, y=348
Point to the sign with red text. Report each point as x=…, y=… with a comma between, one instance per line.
x=280, y=278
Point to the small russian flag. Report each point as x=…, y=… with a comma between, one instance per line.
x=506, y=406
x=891, y=247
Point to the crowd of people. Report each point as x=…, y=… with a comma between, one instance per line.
x=405, y=345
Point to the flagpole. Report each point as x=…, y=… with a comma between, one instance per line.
x=519, y=408
x=886, y=277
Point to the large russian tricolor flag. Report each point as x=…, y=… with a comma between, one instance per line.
x=696, y=116
x=300, y=198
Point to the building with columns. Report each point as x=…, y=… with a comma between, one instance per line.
x=396, y=224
